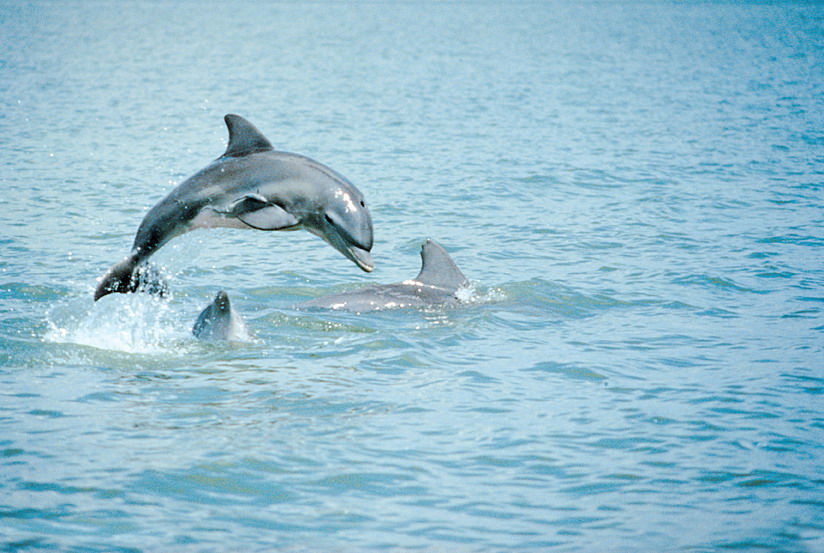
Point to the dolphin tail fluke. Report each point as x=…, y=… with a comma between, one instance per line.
x=130, y=276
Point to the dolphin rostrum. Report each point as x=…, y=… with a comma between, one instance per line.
x=220, y=322
x=436, y=284
x=252, y=186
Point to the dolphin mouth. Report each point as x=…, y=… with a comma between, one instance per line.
x=361, y=257
x=338, y=240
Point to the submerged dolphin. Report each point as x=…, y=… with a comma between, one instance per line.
x=220, y=322
x=252, y=186
x=436, y=284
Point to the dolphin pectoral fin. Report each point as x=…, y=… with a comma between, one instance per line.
x=255, y=211
x=271, y=217
x=247, y=204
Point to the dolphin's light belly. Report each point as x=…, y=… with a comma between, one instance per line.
x=209, y=218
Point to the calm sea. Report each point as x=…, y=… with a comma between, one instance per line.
x=635, y=190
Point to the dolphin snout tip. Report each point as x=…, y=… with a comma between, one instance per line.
x=362, y=258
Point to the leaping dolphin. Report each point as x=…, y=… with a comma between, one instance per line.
x=253, y=186
x=220, y=322
x=436, y=284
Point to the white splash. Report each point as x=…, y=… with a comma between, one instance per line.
x=131, y=323
x=473, y=294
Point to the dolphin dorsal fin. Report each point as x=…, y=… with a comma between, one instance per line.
x=438, y=269
x=244, y=137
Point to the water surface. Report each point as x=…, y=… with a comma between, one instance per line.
x=634, y=189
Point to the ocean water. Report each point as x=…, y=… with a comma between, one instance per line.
x=635, y=190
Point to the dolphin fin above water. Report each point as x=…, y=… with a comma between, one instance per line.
x=438, y=269
x=244, y=137
x=252, y=186
x=220, y=322
x=436, y=284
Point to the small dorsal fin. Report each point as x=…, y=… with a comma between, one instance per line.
x=438, y=269
x=244, y=137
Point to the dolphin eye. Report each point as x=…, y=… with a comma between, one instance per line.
x=362, y=204
x=328, y=219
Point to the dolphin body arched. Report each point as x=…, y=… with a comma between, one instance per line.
x=252, y=186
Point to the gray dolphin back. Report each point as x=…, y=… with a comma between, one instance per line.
x=437, y=284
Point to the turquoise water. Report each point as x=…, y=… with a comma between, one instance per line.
x=634, y=189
